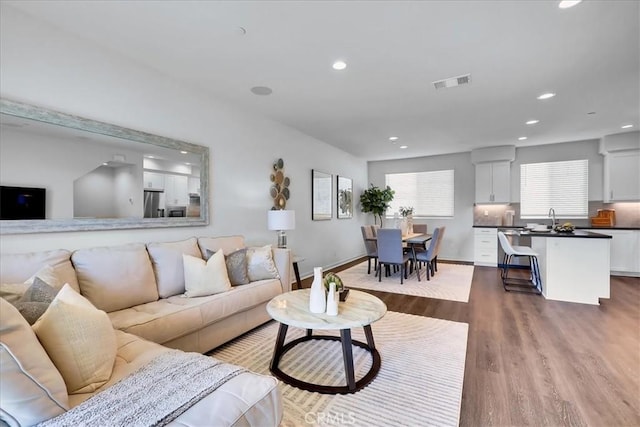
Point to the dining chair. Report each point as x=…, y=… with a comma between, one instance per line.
x=427, y=257
x=534, y=283
x=371, y=246
x=391, y=253
x=419, y=229
x=437, y=250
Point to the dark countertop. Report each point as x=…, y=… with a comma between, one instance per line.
x=518, y=227
x=576, y=233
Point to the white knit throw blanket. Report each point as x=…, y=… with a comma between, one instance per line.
x=154, y=395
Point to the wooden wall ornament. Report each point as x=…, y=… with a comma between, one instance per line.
x=279, y=190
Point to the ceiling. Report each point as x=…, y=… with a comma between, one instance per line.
x=515, y=50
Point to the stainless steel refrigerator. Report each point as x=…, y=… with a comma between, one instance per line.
x=152, y=204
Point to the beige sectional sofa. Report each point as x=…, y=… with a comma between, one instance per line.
x=141, y=288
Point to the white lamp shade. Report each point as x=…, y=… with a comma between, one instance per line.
x=281, y=220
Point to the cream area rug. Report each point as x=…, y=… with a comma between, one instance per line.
x=419, y=383
x=451, y=281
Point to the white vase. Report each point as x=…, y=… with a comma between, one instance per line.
x=332, y=300
x=403, y=226
x=317, y=301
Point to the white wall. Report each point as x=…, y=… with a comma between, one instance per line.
x=44, y=66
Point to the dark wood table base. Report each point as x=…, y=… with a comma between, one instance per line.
x=352, y=385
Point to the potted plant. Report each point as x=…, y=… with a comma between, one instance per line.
x=376, y=201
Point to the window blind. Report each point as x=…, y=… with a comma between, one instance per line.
x=563, y=186
x=429, y=193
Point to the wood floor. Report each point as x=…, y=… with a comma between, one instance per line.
x=533, y=362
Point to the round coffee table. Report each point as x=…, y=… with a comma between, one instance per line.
x=360, y=310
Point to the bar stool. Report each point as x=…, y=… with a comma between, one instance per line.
x=534, y=283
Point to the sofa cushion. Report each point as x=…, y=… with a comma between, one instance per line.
x=18, y=268
x=32, y=390
x=205, y=277
x=228, y=244
x=35, y=301
x=168, y=265
x=236, y=263
x=113, y=278
x=79, y=339
x=260, y=263
x=168, y=319
x=53, y=276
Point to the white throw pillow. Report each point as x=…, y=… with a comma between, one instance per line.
x=79, y=339
x=205, y=277
x=260, y=264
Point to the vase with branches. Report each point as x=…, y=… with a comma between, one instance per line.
x=376, y=200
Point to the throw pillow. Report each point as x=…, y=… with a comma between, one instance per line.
x=260, y=264
x=48, y=274
x=31, y=389
x=236, y=263
x=35, y=301
x=12, y=292
x=79, y=339
x=203, y=278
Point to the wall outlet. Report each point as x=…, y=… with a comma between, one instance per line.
x=486, y=213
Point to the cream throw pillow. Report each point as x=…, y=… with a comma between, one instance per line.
x=205, y=277
x=260, y=265
x=79, y=339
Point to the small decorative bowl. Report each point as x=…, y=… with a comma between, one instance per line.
x=564, y=228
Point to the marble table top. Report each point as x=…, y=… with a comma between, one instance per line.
x=360, y=309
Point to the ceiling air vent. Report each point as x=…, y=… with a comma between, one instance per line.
x=452, y=81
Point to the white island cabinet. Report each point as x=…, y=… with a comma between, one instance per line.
x=574, y=268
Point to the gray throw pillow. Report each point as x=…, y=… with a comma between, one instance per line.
x=236, y=263
x=35, y=300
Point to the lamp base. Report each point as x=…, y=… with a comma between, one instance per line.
x=282, y=239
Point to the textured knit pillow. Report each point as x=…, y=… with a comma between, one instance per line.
x=35, y=301
x=236, y=263
x=79, y=339
x=260, y=264
x=203, y=278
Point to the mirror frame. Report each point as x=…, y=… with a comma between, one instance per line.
x=43, y=115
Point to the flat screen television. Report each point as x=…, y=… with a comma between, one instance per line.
x=22, y=203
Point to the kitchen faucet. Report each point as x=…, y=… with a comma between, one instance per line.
x=552, y=215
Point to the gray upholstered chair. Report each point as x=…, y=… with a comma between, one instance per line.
x=419, y=229
x=427, y=257
x=391, y=252
x=438, y=244
x=371, y=246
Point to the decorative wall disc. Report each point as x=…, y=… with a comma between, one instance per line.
x=279, y=191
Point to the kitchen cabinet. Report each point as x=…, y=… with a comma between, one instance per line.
x=622, y=176
x=485, y=247
x=194, y=185
x=153, y=180
x=493, y=181
x=176, y=190
x=625, y=251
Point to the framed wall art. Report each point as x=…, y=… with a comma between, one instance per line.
x=344, y=197
x=321, y=206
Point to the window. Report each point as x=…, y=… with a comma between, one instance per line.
x=430, y=193
x=563, y=186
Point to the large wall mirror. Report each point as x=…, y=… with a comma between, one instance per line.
x=60, y=172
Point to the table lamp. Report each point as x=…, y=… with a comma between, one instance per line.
x=280, y=221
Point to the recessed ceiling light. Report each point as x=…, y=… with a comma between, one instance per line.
x=404, y=146
x=566, y=4
x=261, y=90
x=533, y=122
x=547, y=95
x=105, y=164
x=188, y=164
x=150, y=157
x=393, y=138
x=339, y=65
x=627, y=126
x=522, y=138
x=183, y=152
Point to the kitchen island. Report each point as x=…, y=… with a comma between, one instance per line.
x=574, y=266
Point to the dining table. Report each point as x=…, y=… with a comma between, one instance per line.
x=414, y=240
